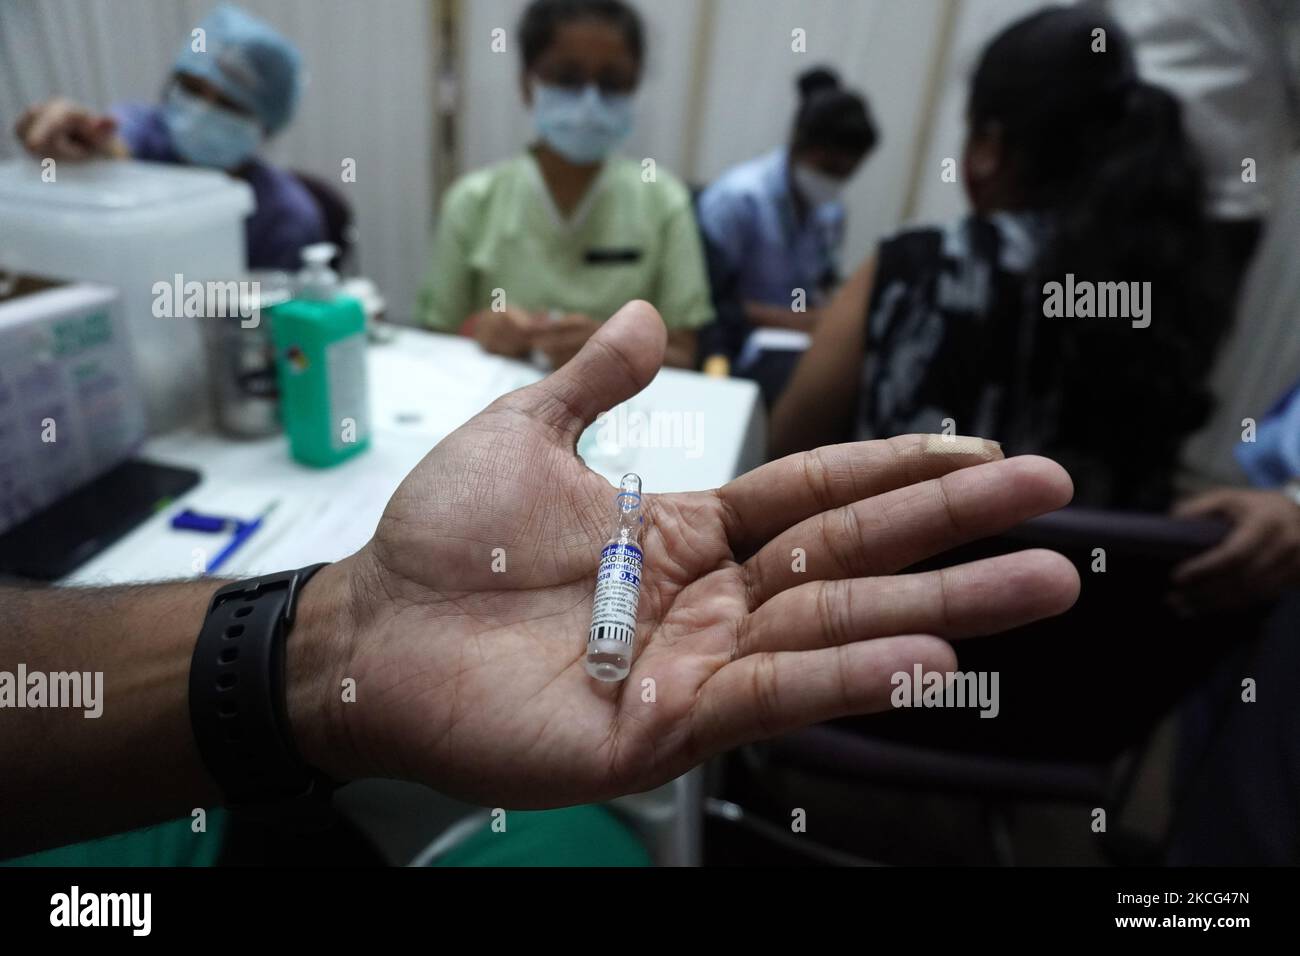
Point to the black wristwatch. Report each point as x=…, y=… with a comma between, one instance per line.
x=238, y=705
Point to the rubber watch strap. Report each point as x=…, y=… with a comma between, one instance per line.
x=238, y=703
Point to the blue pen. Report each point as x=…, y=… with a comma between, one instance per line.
x=190, y=520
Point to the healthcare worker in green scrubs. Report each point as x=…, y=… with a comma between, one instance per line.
x=533, y=253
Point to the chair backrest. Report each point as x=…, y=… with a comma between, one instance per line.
x=725, y=335
x=337, y=213
x=1091, y=683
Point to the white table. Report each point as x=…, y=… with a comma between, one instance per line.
x=684, y=432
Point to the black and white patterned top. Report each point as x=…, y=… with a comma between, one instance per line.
x=957, y=343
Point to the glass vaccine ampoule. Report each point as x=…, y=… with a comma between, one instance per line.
x=618, y=589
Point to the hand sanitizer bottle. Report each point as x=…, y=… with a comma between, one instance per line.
x=320, y=344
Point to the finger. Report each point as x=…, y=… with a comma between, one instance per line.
x=1202, y=505
x=553, y=338
x=24, y=124
x=66, y=146
x=82, y=125
x=563, y=323
x=103, y=129
x=89, y=130
x=967, y=600
x=522, y=320
x=1234, y=549
x=766, y=694
x=1259, y=576
x=1273, y=579
x=614, y=364
x=886, y=533
x=767, y=500
x=45, y=126
x=1257, y=572
x=1215, y=594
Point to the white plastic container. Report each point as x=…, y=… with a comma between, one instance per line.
x=130, y=225
x=70, y=408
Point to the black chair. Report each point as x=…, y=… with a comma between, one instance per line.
x=1080, y=695
x=337, y=213
x=723, y=337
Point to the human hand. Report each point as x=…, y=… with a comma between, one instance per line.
x=562, y=338
x=471, y=678
x=1257, y=560
x=508, y=332
x=60, y=129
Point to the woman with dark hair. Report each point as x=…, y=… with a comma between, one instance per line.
x=1084, y=187
x=533, y=253
x=772, y=226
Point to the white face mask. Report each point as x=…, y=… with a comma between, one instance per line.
x=815, y=186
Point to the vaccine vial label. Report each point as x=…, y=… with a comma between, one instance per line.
x=618, y=587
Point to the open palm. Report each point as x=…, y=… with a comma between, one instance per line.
x=476, y=594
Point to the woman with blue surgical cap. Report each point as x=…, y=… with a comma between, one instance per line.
x=533, y=253
x=232, y=86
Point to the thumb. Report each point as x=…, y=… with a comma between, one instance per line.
x=102, y=129
x=619, y=360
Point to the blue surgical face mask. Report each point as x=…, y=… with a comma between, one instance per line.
x=207, y=135
x=584, y=125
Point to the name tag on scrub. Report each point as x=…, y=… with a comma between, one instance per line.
x=609, y=257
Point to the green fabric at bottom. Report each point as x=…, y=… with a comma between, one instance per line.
x=167, y=844
x=574, y=836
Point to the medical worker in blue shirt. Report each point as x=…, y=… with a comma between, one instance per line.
x=772, y=226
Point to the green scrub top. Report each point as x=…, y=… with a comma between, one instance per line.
x=627, y=239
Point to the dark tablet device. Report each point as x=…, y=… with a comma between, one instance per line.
x=58, y=540
x=1145, y=545
x=1160, y=539
x=1090, y=684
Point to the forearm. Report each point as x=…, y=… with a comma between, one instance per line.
x=127, y=758
x=815, y=409
x=817, y=406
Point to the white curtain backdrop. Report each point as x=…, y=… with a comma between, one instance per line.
x=368, y=97
x=719, y=87
x=494, y=124
x=1261, y=358
x=882, y=48
x=975, y=23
